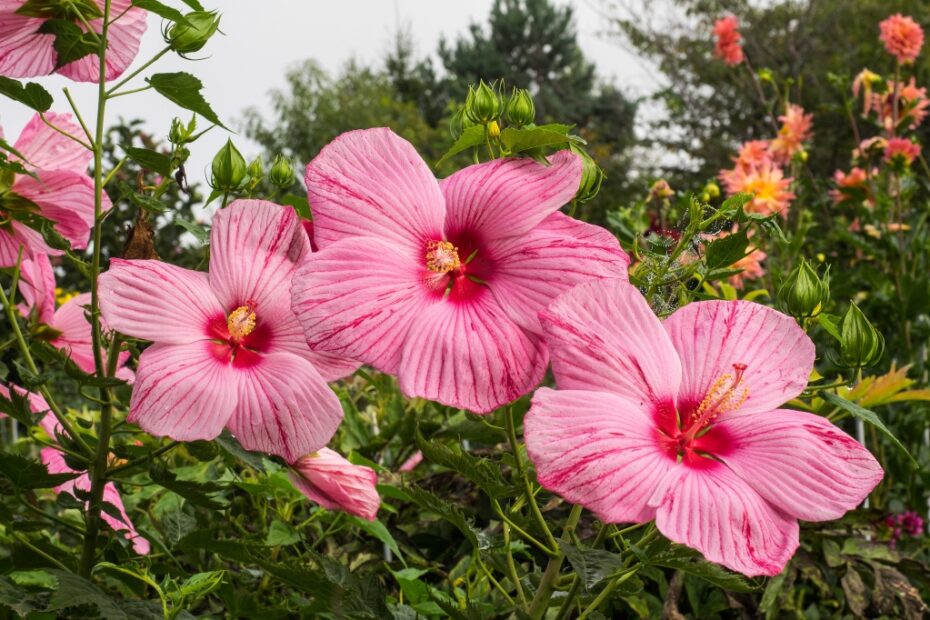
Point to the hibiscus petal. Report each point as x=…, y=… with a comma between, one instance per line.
x=507, y=197
x=43, y=148
x=285, y=408
x=470, y=355
x=357, y=298
x=712, y=336
x=182, y=392
x=255, y=247
x=76, y=339
x=531, y=270
x=17, y=236
x=596, y=449
x=66, y=198
x=373, y=183
x=37, y=286
x=603, y=337
x=709, y=508
x=123, y=36
x=801, y=463
x=156, y=301
x=23, y=51
x=289, y=337
x=333, y=482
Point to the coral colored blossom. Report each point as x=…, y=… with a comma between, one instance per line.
x=728, y=45
x=227, y=349
x=752, y=154
x=902, y=150
x=911, y=109
x=440, y=283
x=794, y=132
x=678, y=421
x=851, y=185
x=25, y=51
x=767, y=183
x=333, y=482
x=62, y=190
x=902, y=36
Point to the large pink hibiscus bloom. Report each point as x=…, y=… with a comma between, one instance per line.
x=27, y=52
x=440, y=283
x=678, y=421
x=62, y=190
x=228, y=350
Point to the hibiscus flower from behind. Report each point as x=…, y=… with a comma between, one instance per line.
x=679, y=421
x=335, y=483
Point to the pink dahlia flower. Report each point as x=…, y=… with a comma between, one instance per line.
x=678, y=421
x=854, y=184
x=25, y=51
x=62, y=191
x=766, y=182
x=902, y=150
x=794, y=132
x=728, y=46
x=334, y=483
x=440, y=283
x=902, y=36
x=227, y=349
x=55, y=463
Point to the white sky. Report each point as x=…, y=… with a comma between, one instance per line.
x=259, y=43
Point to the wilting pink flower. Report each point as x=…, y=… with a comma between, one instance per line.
x=728, y=45
x=864, y=81
x=901, y=150
x=794, y=132
x=62, y=191
x=902, y=36
x=440, y=283
x=55, y=463
x=677, y=421
x=27, y=52
x=767, y=183
x=228, y=350
x=750, y=265
x=334, y=483
x=855, y=184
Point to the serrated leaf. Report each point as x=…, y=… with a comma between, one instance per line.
x=198, y=493
x=472, y=136
x=726, y=251
x=865, y=415
x=149, y=203
x=184, y=90
x=199, y=585
x=231, y=445
x=480, y=471
x=162, y=10
x=71, y=41
x=29, y=94
x=732, y=205
x=688, y=561
x=450, y=512
x=527, y=138
x=281, y=534
x=74, y=591
x=28, y=474
x=591, y=565
x=379, y=531
x=177, y=524
x=16, y=598
x=150, y=160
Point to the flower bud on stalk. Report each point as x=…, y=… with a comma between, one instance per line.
x=257, y=168
x=483, y=105
x=282, y=172
x=229, y=168
x=804, y=293
x=521, y=110
x=591, y=177
x=185, y=38
x=861, y=344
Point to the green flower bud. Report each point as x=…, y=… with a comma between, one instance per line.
x=282, y=172
x=181, y=133
x=712, y=190
x=804, y=293
x=591, y=177
x=229, y=168
x=520, y=108
x=257, y=168
x=860, y=343
x=192, y=36
x=459, y=123
x=483, y=104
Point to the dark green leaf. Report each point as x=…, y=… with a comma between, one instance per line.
x=17, y=407
x=727, y=250
x=198, y=230
x=71, y=41
x=198, y=493
x=482, y=472
x=470, y=138
x=184, y=90
x=592, y=565
x=448, y=511
x=865, y=415
x=74, y=591
x=30, y=94
x=177, y=524
x=830, y=323
x=688, y=561
x=28, y=474
x=149, y=203
x=16, y=598
x=231, y=445
x=162, y=10
x=300, y=204
x=519, y=140
x=194, y=4
x=377, y=529
x=150, y=160
x=281, y=534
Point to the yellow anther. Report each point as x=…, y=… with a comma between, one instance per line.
x=241, y=322
x=724, y=395
x=442, y=257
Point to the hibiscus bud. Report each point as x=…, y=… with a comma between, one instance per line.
x=483, y=104
x=520, y=108
x=459, y=123
x=189, y=37
x=229, y=168
x=282, y=172
x=804, y=293
x=860, y=343
x=333, y=482
x=257, y=168
x=181, y=133
x=591, y=177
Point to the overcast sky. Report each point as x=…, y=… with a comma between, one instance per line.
x=259, y=43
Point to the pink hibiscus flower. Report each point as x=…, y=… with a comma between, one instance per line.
x=679, y=422
x=335, y=483
x=228, y=350
x=62, y=191
x=440, y=283
x=55, y=463
x=25, y=51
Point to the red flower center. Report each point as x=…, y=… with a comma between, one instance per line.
x=457, y=268
x=239, y=337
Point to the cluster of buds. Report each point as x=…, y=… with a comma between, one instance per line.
x=804, y=293
x=192, y=34
x=908, y=522
x=484, y=105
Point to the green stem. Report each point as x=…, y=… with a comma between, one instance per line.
x=131, y=92
x=151, y=61
x=606, y=592
x=547, y=583
x=527, y=487
x=566, y=607
x=500, y=512
x=143, y=459
x=23, y=540
x=495, y=582
x=512, y=567
x=58, y=129
x=55, y=519
x=77, y=115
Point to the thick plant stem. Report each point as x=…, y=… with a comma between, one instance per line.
x=547, y=584
x=528, y=490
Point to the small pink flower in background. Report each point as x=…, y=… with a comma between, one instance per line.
x=751, y=264
x=411, y=463
x=728, y=46
x=912, y=105
x=751, y=155
x=63, y=191
x=902, y=36
x=678, y=421
x=334, y=483
x=851, y=185
x=904, y=523
x=794, y=132
x=27, y=52
x=37, y=288
x=869, y=146
x=228, y=350
x=767, y=183
x=440, y=283
x=864, y=81
x=901, y=150
x=55, y=463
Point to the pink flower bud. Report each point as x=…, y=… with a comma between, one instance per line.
x=333, y=482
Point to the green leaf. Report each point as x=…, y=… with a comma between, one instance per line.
x=197, y=493
x=28, y=474
x=300, y=204
x=17, y=407
x=379, y=531
x=727, y=250
x=734, y=204
x=162, y=10
x=150, y=160
x=281, y=534
x=519, y=140
x=149, y=203
x=198, y=230
x=194, y=4
x=830, y=323
x=71, y=41
x=471, y=137
x=865, y=415
x=74, y=591
x=688, y=561
x=199, y=585
x=448, y=511
x=231, y=445
x=591, y=565
x=482, y=472
x=177, y=524
x=30, y=94
x=184, y=90
x=16, y=598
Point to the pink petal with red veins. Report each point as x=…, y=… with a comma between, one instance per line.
x=335, y=483
x=66, y=198
x=37, y=286
x=285, y=407
x=153, y=300
x=531, y=270
x=23, y=51
x=124, y=36
x=596, y=449
x=358, y=298
x=76, y=339
x=43, y=148
x=801, y=463
x=507, y=197
x=183, y=392
x=712, y=336
x=712, y=510
x=470, y=355
x=21, y=236
x=603, y=337
x=255, y=248
x=289, y=336
x=372, y=183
